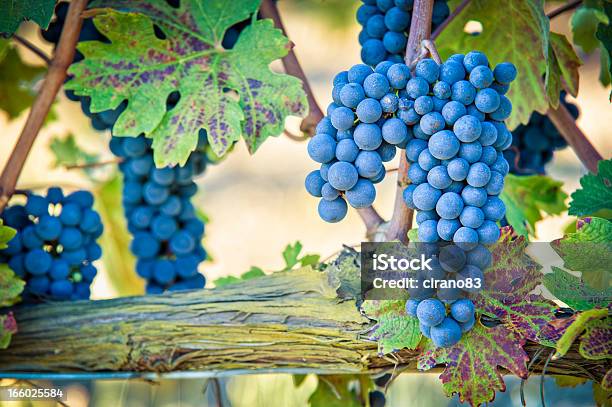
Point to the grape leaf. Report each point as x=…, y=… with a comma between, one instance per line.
x=526, y=197
x=253, y=272
x=11, y=286
x=574, y=292
x=338, y=391
x=394, y=329
x=584, y=25
x=344, y=273
x=228, y=93
x=596, y=342
x=119, y=262
x=507, y=291
x=522, y=41
x=16, y=11
x=6, y=234
x=68, y=153
x=604, y=34
x=588, y=250
x=576, y=328
x=291, y=254
x=16, y=83
x=562, y=69
x=595, y=196
x=8, y=327
x=472, y=364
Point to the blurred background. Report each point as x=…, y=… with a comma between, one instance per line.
x=256, y=205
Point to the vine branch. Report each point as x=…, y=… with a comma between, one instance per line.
x=54, y=79
x=39, y=52
x=566, y=7
x=282, y=322
x=565, y=123
x=292, y=66
x=420, y=29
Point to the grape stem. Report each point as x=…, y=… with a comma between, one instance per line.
x=54, y=79
x=94, y=164
x=430, y=46
x=295, y=137
x=39, y=52
x=449, y=19
x=566, y=7
x=292, y=66
x=268, y=9
x=566, y=124
x=420, y=29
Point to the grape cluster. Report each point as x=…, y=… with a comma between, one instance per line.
x=533, y=144
x=386, y=24
x=456, y=112
x=443, y=324
x=166, y=232
x=447, y=307
x=55, y=245
x=359, y=133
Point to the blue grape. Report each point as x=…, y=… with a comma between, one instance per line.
x=416, y=174
x=48, y=227
x=376, y=86
x=488, y=232
x=463, y=92
x=368, y=164
x=504, y=109
x=358, y=73
x=398, y=75
x=427, y=231
x=431, y=123
x=397, y=19
x=71, y=238
x=471, y=152
x=472, y=217
x=474, y=196
x=394, y=42
x=346, y=150
x=425, y=197
x=343, y=118
x=442, y=90
x=423, y=105
x=322, y=148
x=362, y=194
x=445, y=334
x=504, y=73
x=38, y=262
x=328, y=192
x=431, y=312
x=407, y=194
x=444, y=145
x=458, y=169
x=488, y=135
x=351, y=94
x=427, y=69
x=417, y=87
x=438, y=177
x=422, y=216
x=466, y=238
x=481, y=77
x=427, y=161
x=495, y=184
x=369, y=110
x=473, y=59
x=394, y=131
x=467, y=129
x=71, y=214
x=449, y=206
x=389, y=103
x=487, y=100
x=332, y=211
x=373, y=51
x=452, y=111
x=386, y=151
x=368, y=136
x=451, y=72
x=375, y=27
x=480, y=257
x=411, y=307
x=343, y=176
x=478, y=175
x=37, y=206
x=447, y=228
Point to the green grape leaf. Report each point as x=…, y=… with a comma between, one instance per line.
x=338, y=391
x=344, y=274
x=576, y=328
x=527, y=197
x=6, y=234
x=584, y=25
x=595, y=196
x=8, y=327
x=394, y=329
x=523, y=41
x=253, y=272
x=507, y=293
x=228, y=93
x=11, y=286
x=588, y=250
x=574, y=292
x=472, y=364
x=119, y=262
x=596, y=342
x=291, y=254
x=67, y=153
x=310, y=260
x=16, y=11
x=17, y=83
x=562, y=69
x=604, y=34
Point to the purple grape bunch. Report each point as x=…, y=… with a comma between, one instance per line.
x=55, y=245
x=385, y=27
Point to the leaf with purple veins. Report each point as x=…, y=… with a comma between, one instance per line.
x=472, y=365
x=229, y=93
